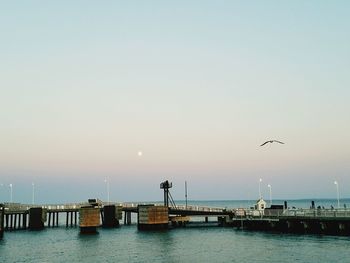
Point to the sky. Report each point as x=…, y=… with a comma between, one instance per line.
x=196, y=86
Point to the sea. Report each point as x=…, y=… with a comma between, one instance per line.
x=189, y=244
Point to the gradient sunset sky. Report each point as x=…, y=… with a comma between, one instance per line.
x=196, y=86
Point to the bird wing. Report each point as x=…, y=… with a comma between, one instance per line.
x=279, y=142
x=265, y=143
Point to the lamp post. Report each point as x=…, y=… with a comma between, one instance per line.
x=1, y=185
x=260, y=180
x=269, y=186
x=337, y=187
x=186, y=193
x=107, y=186
x=33, y=192
x=11, y=193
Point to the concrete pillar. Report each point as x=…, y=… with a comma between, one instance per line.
x=150, y=217
x=89, y=219
x=36, y=218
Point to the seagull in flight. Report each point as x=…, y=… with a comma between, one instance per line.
x=271, y=141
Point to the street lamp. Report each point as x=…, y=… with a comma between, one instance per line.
x=33, y=187
x=11, y=194
x=269, y=186
x=107, y=185
x=186, y=193
x=260, y=180
x=1, y=185
x=337, y=187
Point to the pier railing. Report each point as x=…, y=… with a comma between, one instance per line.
x=317, y=213
x=199, y=208
x=293, y=213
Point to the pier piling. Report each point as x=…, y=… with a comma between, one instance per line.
x=2, y=214
x=36, y=218
x=127, y=218
x=110, y=216
x=49, y=220
x=152, y=217
x=89, y=219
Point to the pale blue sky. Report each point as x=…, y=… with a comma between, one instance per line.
x=196, y=85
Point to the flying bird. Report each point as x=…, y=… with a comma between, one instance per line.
x=271, y=141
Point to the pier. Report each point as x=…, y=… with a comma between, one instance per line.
x=94, y=213
x=320, y=221
x=301, y=221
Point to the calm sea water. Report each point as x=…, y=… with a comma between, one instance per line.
x=196, y=244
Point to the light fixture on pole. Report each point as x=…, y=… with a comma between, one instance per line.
x=260, y=180
x=337, y=187
x=33, y=193
x=11, y=194
x=269, y=186
x=107, y=186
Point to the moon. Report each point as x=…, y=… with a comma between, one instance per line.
x=139, y=153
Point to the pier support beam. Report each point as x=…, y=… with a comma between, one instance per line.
x=15, y=221
x=152, y=217
x=49, y=221
x=11, y=221
x=36, y=218
x=57, y=215
x=67, y=215
x=110, y=216
x=2, y=217
x=127, y=218
x=89, y=219
x=25, y=220
x=7, y=222
x=75, y=218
